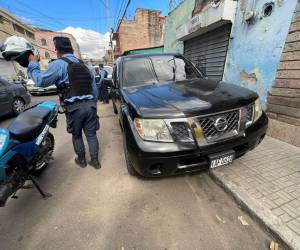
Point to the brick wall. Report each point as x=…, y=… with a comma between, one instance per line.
x=284, y=97
x=145, y=30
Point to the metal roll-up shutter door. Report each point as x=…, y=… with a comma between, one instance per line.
x=7, y=70
x=208, y=51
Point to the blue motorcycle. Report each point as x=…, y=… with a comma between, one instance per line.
x=26, y=148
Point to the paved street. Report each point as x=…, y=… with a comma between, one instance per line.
x=108, y=209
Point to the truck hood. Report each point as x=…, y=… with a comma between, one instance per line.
x=187, y=98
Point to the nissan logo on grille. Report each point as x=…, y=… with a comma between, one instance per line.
x=221, y=124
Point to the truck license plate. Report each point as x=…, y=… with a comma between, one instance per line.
x=221, y=159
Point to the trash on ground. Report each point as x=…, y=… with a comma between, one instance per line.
x=274, y=245
x=220, y=219
x=243, y=221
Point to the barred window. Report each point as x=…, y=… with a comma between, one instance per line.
x=18, y=28
x=29, y=34
x=44, y=42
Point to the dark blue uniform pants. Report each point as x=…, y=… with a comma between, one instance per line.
x=84, y=117
x=100, y=98
x=104, y=92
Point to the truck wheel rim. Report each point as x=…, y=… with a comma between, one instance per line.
x=19, y=106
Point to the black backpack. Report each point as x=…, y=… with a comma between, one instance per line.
x=80, y=79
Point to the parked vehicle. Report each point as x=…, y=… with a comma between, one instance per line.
x=26, y=148
x=40, y=90
x=13, y=98
x=109, y=70
x=174, y=120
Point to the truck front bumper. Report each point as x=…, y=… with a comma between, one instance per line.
x=154, y=159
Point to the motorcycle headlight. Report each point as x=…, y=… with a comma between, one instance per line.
x=257, y=110
x=153, y=130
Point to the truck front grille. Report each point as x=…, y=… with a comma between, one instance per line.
x=219, y=126
x=250, y=113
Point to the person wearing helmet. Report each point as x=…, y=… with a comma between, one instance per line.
x=16, y=48
x=78, y=94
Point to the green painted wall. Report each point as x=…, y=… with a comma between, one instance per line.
x=174, y=20
x=145, y=51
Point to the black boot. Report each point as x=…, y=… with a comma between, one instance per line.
x=81, y=161
x=94, y=162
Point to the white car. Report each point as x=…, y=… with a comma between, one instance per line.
x=40, y=90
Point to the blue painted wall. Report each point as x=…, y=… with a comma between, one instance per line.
x=255, y=49
x=176, y=18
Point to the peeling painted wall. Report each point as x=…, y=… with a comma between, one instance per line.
x=255, y=48
x=176, y=18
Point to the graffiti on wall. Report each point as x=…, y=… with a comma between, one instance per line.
x=175, y=19
x=201, y=5
x=257, y=42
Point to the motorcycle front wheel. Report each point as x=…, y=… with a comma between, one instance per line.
x=45, y=155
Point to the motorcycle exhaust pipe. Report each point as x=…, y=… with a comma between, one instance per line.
x=5, y=192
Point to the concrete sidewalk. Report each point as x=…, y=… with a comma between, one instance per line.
x=266, y=182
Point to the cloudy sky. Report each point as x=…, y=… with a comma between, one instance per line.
x=91, y=43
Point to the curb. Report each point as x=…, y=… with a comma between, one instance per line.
x=285, y=236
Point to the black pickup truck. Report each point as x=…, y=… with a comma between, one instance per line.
x=174, y=120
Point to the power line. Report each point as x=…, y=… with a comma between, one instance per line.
x=14, y=10
x=19, y=12
x=108, y=16
x=119, y=14
x=37, y=11
x=126, y=8
x=116, y=10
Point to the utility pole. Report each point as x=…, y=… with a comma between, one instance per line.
x=108, y=15
x=171, y=5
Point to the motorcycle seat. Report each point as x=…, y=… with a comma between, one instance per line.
x=29, y=124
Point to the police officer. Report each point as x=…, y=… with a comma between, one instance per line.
x=103, y=85
x=78, y=95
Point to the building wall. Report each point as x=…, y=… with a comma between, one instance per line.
x=145, y=30
x=175, y=19
x=49, y=49
x=108, y=58
x=255, y=48
x=8, y=27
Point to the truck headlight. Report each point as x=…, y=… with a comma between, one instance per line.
x=153, y=130
x=257, y=110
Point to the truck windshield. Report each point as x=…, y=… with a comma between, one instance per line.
x=158, y=69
